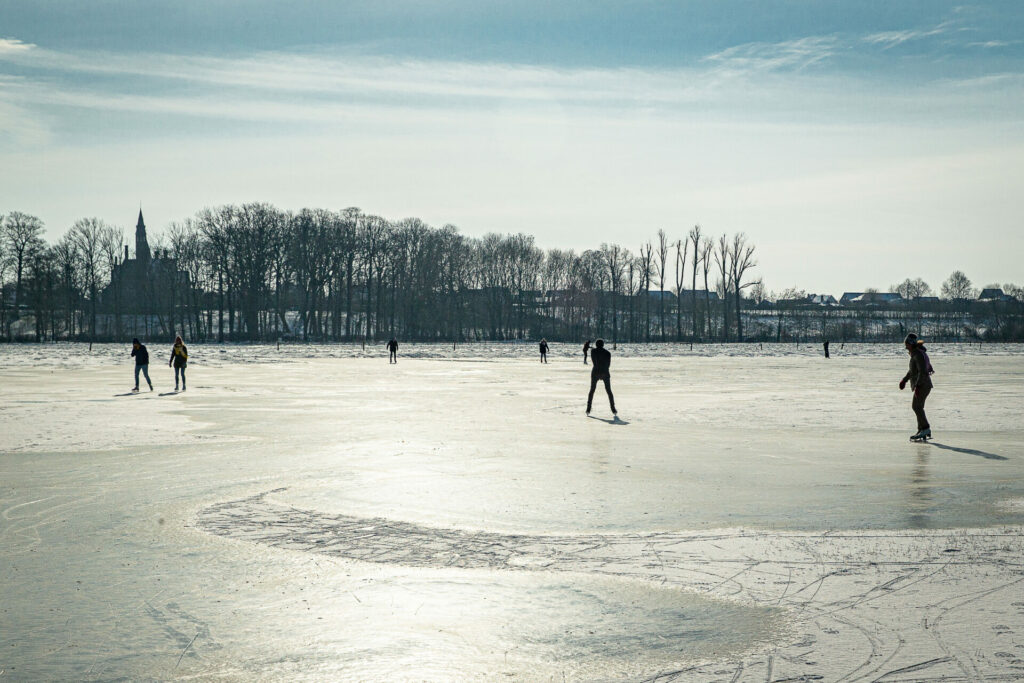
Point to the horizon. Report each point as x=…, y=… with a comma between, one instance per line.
x=856, y=146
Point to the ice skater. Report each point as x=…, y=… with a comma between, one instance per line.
x=602, y=361
x=920, y=383
x=141, y=354
x=826, y=349
x=392, y=351
x=586, y=349
x=179, y=359
x=543, y=350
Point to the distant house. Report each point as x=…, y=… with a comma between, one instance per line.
x=809, y=300
x=848, y=297
x=994, y=294
x=927, y=300
x=822, y=300
x=872, y=299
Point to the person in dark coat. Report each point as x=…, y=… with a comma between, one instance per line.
x=141, y=355
x=179, y=359
x=920, y=379
x=602, y=362
x=826, y=348
x=393, y=351
x=543, y=350
x=586, y=349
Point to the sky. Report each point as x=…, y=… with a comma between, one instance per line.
x=855, y=143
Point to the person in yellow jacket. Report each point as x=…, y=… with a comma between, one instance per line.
x=179, y=359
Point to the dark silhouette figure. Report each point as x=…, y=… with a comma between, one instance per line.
x=826, y=349
x=141, y=355
x=393, y=351
x=543, y=350
x=179, y=359
x=586, y=349
x=602, y=361
x=920, y=382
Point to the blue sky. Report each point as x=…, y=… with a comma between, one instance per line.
x=857, y=143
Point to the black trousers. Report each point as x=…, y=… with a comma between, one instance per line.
x=920, y=394
x=607, y=387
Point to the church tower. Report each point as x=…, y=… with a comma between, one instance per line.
x=141, y=243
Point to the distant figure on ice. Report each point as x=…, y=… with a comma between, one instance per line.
x=393, y=351
x=586, y=348
x=602, y=361
x=141, y=355
x=543, y=350
x=179, y=359
x=826, y=349
x=920, y=382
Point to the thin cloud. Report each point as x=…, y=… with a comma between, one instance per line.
x=13, y=45
x=888, y=39
x=787, y=55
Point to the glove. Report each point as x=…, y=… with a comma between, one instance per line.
x=903, y=384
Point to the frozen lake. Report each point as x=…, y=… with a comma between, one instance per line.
x=314, y=513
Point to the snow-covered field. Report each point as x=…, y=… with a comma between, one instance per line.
x=312, y=513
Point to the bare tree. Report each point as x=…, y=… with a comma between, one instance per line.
x=647, y=272
x=741, y=260
x=694, y=238
x=23, y=235
x=662, y=259
x=111, y=241
x=958, y=286
x=911, y=289
x=87, y=235
x=706, y=247
x=722, y=255
x=681, y=249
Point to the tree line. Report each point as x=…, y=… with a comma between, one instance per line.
x=255, y=272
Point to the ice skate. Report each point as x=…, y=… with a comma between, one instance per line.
x=135, y=390
x=922, y=435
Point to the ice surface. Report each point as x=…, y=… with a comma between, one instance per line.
x=753, y=516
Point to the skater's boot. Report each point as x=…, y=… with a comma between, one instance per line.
x=135, y=390
x=175, y=387
x=922, y=435
x=151, y=387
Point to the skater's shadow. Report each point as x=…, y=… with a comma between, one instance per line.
x=130, y=393
x=968, y=451
x=169, y=393
x=614, y=421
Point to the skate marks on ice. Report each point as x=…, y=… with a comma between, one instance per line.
x=858, y=606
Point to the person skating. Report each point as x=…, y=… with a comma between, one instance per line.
x=920, y=383
x=141, y=355
x=543, y=350
x=586, y=349
x=826, y=349
x=602, y=361
x=179, y=359
x=393, y=351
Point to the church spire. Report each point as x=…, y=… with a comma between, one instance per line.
x=141, y=243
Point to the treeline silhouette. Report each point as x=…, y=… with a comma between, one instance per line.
x=255, y=272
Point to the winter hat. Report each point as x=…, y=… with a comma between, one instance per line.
x=135, y=340
x=911, y=339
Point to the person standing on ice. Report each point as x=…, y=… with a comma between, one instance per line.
x=826, y=348
x=586, y=348
x=141, y=355
x=543, y=350
x=920, y=383
x=392, y=351
x=179, y=359
x=602, y=361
